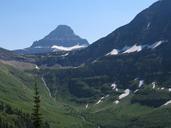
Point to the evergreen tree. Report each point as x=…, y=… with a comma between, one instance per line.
x=36, y=116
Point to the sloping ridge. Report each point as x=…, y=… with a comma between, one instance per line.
x=151, y=25
x=9, y=55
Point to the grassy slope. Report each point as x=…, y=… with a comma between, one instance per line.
x=124, y=115
x=109, y=115
x=16, y=89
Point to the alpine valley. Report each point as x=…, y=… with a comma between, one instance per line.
x=122, y=80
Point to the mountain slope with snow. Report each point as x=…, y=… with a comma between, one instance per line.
x=62, y=48
x=148, y=27
x=62, y=38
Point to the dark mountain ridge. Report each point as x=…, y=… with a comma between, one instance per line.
x=151, y=25
x=9, y=55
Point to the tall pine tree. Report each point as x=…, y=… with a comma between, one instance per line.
x=36, y=116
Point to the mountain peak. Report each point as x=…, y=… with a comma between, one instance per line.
x=63, y=35
x=64, y=28
x=60, y=39
x=61, y=31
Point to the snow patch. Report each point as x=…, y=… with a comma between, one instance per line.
x=66, y=54
x=169, y=89
x=136, y=90
x=167, y=103
x=125, y=94
x=113, y=86
x=162, y=88
x=148, y=25
x=94, y=61
x=62, y=48
x=134, y=48
x=36, y=67
x=154, y=85
x=116, y=102
x=141, y=82
x=99, y=101
x=113, y=52
x=156, y=44
x=86, y=106
x=38, y=47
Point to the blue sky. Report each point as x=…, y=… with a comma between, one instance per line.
x=24, y=21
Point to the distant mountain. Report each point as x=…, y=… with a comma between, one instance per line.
x=9, y=55
x=150, y=28
x=62, y=38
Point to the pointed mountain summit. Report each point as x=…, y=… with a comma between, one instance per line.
x=63, y=35
x=62, y=38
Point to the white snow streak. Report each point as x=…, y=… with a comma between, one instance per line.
x=156, y=44
x=37, y=67
x=38, y=47
x=113, y=52
x=141, y=82
x=134, y=48
x=62, y=48
x=162, y=88
x=99, y=101
x=167, y=103
x=136, y=90
x=148, y=25
x=86, y=106
x=125, y=94
x=154, y=85
x=113, y=86
x=116, y=102
x=66, y=54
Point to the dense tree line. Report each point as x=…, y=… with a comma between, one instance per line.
x=21, y=120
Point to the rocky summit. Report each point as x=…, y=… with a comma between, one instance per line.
x=62, y=38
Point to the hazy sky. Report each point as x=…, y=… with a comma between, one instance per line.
x=24, y=21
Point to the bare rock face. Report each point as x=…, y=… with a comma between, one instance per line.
x=63, y=35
